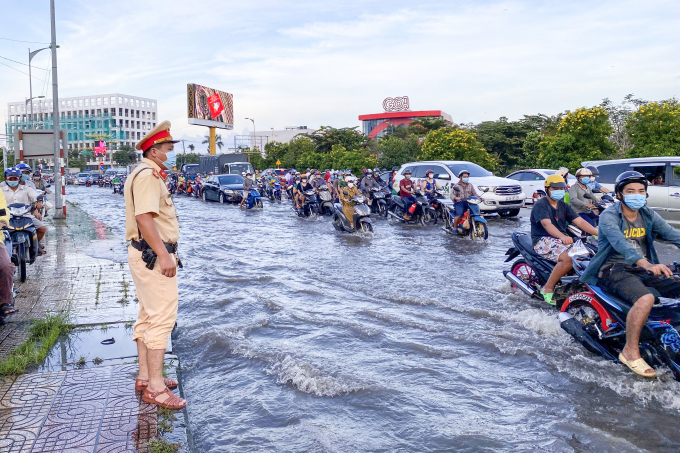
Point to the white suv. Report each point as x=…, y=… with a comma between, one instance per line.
x=500, y=195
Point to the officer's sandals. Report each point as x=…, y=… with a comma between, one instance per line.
x=142, y=384
x=172, y=402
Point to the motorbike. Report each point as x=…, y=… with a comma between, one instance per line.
x=276, y=192
x=24, y=237
x=88, y=183
x=361, y=219
x=600, y=205
x=326, y=201
x=597, y=320
x=254, y=200
x=434, y=209
x=379, y=201
x=311, y=206
x=472, y=223
x=398, y=208
x=117, y=187
x=100, y=183
x=531, y=272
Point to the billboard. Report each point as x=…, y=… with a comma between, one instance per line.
x=210, y=107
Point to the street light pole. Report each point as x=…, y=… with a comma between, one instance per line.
x=254, y=136
x=30, y=78
x=60, y=208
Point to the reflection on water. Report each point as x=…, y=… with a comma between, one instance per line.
x=300, y=338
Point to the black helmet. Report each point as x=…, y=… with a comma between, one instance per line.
x=395, y=168
x=36, y=173
x=593, y=169
x=628, y=177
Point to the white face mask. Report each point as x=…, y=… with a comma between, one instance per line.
x=407, y=176
x=350, y=184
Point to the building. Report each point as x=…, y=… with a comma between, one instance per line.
x=376, y=125
x=124, y=119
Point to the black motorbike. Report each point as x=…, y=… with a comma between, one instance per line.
x=325, y=200
x=361, y=220
x=398, y=209
x=531, y=272
x=311, y=205
x=379, y=201
x=24, y=237
x=434, y=209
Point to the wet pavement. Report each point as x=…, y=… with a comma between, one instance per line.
x=294, y=337
x=82, y=398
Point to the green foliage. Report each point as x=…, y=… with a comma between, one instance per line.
x=325, y=138
x=422, y=126
x=160, y=445
x=531, y=150
x=43, y=334
x=206, y=140
x=655, y=129
x=125, y=155
x=504, y=140
x=394, y=151
x=189, y=158
x=582, y=135
x=456, y=144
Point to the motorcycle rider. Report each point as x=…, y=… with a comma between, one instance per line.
x=581, y=203
x=549, y=218
x=393, y=174
x=16, y=193
x=39, y=182
x=429, y=185
x=346, y=194
x=594, y=185
x=6, y=266
x=460, y=192
x=338, y=184
x=406, y=193
x=26, y=175
x=627, y=265
x=248, y=184
x=301, y=187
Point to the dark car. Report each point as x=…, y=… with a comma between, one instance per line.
x=223, y=188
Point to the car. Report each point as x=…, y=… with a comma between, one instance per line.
x=280, y=172
x=532, y=182
x=81, y=179
x=499, y=195
x=663, y=174
x=223, y=188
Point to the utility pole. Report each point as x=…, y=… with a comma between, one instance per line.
x=60, y=207
x=30, y=78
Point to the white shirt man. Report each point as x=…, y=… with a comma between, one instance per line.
x=22, y=194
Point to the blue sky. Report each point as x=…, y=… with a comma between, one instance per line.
x=325, y=63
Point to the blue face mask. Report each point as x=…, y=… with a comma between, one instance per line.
x=557, y=194
x=585, y=180
x=24, y=177
x=170, y=160
x=12, y=183
x=635, y=201
x=465, y=180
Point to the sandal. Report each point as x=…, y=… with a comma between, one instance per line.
x=7, y=309
x=638, y=366
x=142, y=384
x=173, y=402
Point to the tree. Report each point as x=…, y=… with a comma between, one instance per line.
x=424, y=125
x=456, y=144
x=189, y=158
x=393, y=151
x=505, y=140
x=125, y=155
x=348, y=137
x=618, y=117
x=191, y=147
x=531, y=150
x=218, y=141
x=582, y=135
x=655, y=129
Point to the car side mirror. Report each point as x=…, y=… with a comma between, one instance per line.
x=444, y=176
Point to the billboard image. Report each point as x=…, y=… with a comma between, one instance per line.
x=210, y=107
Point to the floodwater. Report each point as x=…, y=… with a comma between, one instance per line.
x=297, y=338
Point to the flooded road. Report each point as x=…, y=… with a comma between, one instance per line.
x=295, y=337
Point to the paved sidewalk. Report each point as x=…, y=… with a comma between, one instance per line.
x=82, y=399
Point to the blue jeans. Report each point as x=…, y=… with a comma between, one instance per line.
x=590, y=218
x=408, y=201
x=460, y=207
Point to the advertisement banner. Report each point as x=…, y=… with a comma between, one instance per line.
x=210, y=107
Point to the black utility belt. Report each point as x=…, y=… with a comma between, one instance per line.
x=171, y=247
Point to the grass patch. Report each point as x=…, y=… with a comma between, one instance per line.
x=43, y=334
x=166, y=417
x=160, y=445
x=124, y=299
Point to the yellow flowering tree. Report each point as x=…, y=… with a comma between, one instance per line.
x=456, y=144
x=655, y=129
x=581, y=135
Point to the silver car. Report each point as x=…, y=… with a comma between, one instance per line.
x=663, y=174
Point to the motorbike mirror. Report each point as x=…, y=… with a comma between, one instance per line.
x=444, y=176
x=587, y=195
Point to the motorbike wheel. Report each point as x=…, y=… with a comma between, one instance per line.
x=523, y=270
x=204, y=198
x=428, y=218
x=222, y=200
x=259, y=203
x=382, y=209
x=482, y=230
x=366, y=227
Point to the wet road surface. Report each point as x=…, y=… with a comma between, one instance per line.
x=295, y=337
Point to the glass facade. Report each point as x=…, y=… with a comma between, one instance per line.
x=369, y=125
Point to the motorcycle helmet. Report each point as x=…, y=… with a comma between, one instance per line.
x=460, y=173
x=12, y=172
x=593, y=170
x=555, y=182
x=628, y=177
x=583, y=172
x=430, y=171
x=23, y=167
x=395, y=168
x=407, y=172
x=36, y=173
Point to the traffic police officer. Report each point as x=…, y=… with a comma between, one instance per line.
x=151, y=226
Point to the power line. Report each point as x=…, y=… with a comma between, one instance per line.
x=31, y=42
x=42, y=80
x=14, y=61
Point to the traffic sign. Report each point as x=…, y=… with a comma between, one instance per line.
x=278, y=162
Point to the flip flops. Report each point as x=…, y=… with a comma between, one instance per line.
x=547, y=297
x=638, y=366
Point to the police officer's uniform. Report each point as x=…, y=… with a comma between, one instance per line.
x=145, y=192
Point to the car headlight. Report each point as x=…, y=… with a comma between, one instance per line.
x=485, y=188
x=228, y=192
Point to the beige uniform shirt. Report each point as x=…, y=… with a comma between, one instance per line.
x=150, y=196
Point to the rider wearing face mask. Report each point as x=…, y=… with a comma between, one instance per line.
x=460, y=192
x=15, y=192
x=39, y=182
x=429, y=185
x=549, y=219
x=581, y=195
x=626, y=264
x=25, y=175
x=346, y=194
x=406, y=193
x=301, y=187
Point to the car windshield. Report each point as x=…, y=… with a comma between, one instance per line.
x=231, y=179
x=237, y=169
x=550, y=172
x=474, y=170
x=83, y=175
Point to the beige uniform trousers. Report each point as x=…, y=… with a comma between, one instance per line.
x=158, y=298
